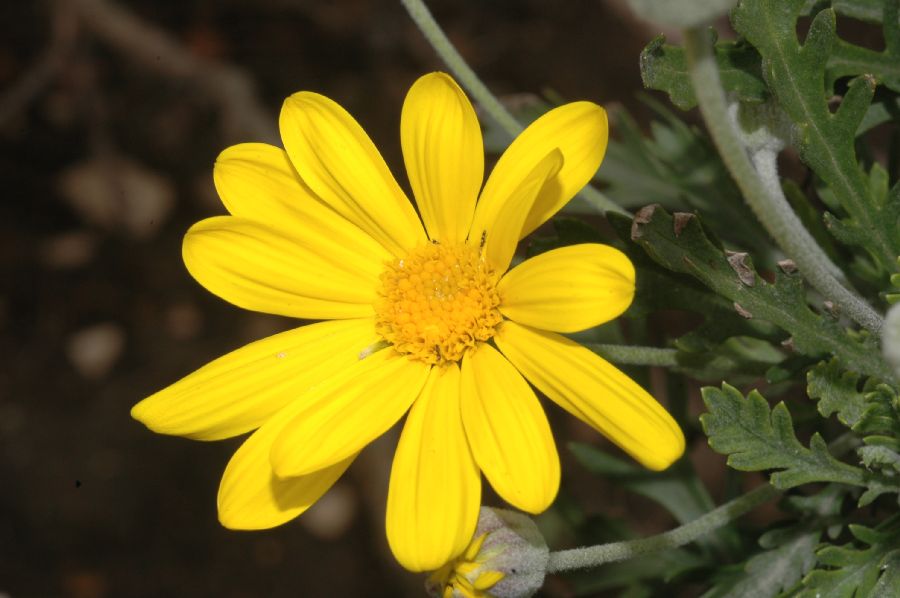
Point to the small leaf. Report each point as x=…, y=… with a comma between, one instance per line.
x=851, y=571
x=756, y=438
x=664, y=67
x=836, y=392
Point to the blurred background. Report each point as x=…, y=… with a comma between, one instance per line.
x=111, y=115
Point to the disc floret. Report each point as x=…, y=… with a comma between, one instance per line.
x=438, y=301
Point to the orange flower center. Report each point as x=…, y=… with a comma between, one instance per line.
x=437, y=302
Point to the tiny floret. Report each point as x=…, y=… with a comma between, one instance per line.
x=437, y=302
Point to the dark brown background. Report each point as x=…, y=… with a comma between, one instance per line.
x=107, y=139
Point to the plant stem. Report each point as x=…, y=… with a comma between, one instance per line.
x=772, y=209
x=593, y=556
x=423, y=19
x=631, y=355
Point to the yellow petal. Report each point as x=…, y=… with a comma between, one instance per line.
x=591, y=389
x=238, y=392
x=444, y=155
x=508, y=431
x=347, y=412
x=501, y=237
x=579, y=130
x=487, y=579
x=568, y=289
x=252, y=497
x=435, y=489
x=257, y=181
x=314, y=276
x=335, y=157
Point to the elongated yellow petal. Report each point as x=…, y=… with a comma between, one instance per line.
x=314, y=276
x=257, y=181
x=335, y=157
x=444, y=155
x=502, y=236
x=579, y=130
x=252, y=497
x=591, y=389
x=347, y=412
x=568, y=289
x=240, y=391
x=435, y=489
x=508, y=431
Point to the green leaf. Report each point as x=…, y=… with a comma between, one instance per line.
x=677, y=489
x=662, y=565
x=756, y=438
x=796, y=74
x=790, y=555
x=851, y=60
x=725, y=344
x=664, y=68
x=676, y=166
x=871, y=572
x=682, y=246
x=836, y=392
x=737, y=357
x=880, y=457
x=869, y=11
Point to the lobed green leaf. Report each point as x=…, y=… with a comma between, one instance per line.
x=681, y=244
x=757, y=438
x=797, y=76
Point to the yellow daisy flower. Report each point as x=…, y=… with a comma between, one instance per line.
x=419, y=319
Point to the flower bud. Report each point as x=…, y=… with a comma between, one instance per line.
x=507, y=558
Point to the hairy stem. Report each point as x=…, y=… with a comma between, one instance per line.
x=770, y=208
x=421, y=16
x=632, y=355
x=593, y=556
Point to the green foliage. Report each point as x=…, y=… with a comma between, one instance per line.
x=678, y=490
x=850, y=59
x=679, y=243
x=796, y=75
x=847, y=571
x=788, y=554
x=836, y=391
x=664, y=67
x=698, y=249
x=677, y=167
x=802, y=78
x=757, y=438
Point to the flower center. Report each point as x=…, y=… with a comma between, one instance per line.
x=437, y=301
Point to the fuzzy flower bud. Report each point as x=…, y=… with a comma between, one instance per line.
x=507, y=558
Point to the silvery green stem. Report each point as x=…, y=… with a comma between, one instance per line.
x=593, y=556
x=771, y=209
x=632, y=355
x=421, y=16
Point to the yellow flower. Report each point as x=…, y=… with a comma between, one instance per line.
x=425, y=320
